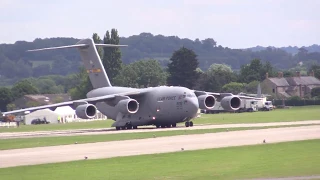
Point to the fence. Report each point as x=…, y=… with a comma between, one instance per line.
x=294, y=102
x=8, y=124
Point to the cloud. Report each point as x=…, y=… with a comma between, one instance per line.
x=210, y=2
x=304, y=24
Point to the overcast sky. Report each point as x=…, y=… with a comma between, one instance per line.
x=232, y=23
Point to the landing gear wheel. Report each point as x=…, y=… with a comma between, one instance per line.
x=174, y=125
x=135, y=127
x=117, y=128
x=191, y=123
x=187, y=124
x=129, y=126
x=169, y=125
x=123, y=127
x=158, y=126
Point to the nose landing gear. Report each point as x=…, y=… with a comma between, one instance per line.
x=188, y=123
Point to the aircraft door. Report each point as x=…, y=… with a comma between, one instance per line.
x=163, y=109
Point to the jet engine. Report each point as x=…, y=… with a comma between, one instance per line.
x=126, y=106
x=86, y=111
x=206, y=101
x=231, y=103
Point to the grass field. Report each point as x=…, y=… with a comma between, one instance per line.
x=81, y=139
x=300, y=158
x=279, y=115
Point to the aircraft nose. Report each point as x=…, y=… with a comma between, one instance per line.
x=193, y=105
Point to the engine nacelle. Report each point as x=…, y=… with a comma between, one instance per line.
x=206, y=101
x=231, y=103
x=86, y=111
x=128, y=106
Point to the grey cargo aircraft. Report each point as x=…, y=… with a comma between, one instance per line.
x=162, y=106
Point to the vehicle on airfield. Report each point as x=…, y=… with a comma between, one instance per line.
x=268, y=106
x=39, y=121
x=162, y=106
x=248, y=105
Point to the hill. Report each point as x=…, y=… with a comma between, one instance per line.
x=290, y=49
x=16, y=63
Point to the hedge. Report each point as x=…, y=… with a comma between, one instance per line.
x=294, y=102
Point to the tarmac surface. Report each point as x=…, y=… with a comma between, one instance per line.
x=64, y=153
x=77, y=132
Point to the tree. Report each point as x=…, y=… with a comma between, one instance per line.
x=316, y=70
x=112, y=56
x=149, y=73
x=22, y=88
x=252, y=87
x=143, y=73
x=82, y=87
x=6, y=97
x=97, y=40
x=233, y=87
x=255, y=71
x=215, y=77
x=209, y=43
x=182, y=68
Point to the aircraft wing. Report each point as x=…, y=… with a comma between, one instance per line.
x=93, y=100
x=198, y=93
x=221, y=95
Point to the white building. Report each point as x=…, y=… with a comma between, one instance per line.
x=50, y=116
x=66, y=113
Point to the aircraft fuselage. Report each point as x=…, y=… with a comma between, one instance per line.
x=160, y=105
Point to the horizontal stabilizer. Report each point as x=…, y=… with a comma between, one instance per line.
x=110, y=45
x=60, y=47
x=77, y=46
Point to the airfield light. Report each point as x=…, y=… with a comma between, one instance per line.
x=153, y=118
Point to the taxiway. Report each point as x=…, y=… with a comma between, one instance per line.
x=77, y=132
x=52, y=154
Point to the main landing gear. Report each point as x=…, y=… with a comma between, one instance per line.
x=127, y=126
x=188, y=123
x=166, y=125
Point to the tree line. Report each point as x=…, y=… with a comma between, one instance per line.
x=16, y=63
x=182, y=69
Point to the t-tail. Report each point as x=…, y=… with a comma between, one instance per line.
x=91, y=60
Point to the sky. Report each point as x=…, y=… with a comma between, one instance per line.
x=232, y=23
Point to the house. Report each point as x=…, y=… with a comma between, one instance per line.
x=284, y=87
x=39, y=100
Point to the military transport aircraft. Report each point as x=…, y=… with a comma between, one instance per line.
x=162, y=106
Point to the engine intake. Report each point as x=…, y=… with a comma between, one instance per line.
x=128, y=106
x=231, y=103
x=206, y=101
x=86, y=111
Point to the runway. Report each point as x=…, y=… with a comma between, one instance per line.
x=43, y=155
x=77, y=132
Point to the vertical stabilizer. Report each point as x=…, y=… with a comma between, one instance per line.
x=91, y=60
x=93, y=64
